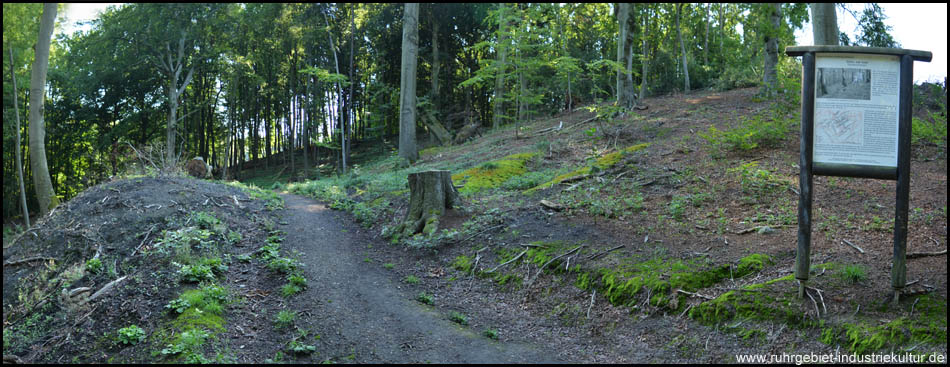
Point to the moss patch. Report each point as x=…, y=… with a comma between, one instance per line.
x=492, y=174
x=604, y=162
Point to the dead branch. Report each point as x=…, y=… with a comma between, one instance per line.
x=604, y=252
x=914, y=255
x=552, y=260
x=592, y=302
x=853, y=246
x=756, y=228
x=820, y=297
x=691, y=294
x=105, y=289
x=817, y=312
x=507, y=262
x=551, y=205
x=30, y=259
x=473, y=236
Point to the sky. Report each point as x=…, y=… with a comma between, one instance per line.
x=914, y=26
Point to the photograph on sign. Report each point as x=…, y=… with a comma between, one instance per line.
x=844, y=83
x=856, y=103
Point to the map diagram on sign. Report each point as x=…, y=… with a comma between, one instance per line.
x=839, y=127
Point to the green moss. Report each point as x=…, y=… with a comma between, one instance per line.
x=492, y=174
x=928, y=327
x=752, y=264
x=658, y=277
x=604, y=162
x=462, y=263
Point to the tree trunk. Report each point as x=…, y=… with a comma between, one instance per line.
x=407, y=84
x=499, y=107
x=770, y=77
x=644, y=62
x=19, y=161
x=679, y=34
x=623, y=14
x=430, y=193
x=824, y=23
x=41, y=179
x=434, y=92
x=706, y=43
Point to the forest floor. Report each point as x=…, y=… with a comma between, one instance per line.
x=656, y=245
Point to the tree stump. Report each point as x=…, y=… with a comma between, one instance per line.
x=430, y=193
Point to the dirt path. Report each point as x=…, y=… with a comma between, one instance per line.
x=361, y=312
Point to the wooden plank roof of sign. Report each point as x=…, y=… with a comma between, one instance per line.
x=918, y=55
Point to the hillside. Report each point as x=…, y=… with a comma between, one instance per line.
x=667, y=235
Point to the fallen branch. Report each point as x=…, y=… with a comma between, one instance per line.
x=552, y=260
x=507, y=262
x=105, y=289
x=592, y=302
x=817, y=312
x=853, y=245
x=756, y=228
x=30, y=259
x=473, y=236
x=604, y=252
x=914, y=255
x=694, y=294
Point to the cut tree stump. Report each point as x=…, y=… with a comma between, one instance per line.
x=430, y=193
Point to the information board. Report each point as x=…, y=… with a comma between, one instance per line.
x=856, y=109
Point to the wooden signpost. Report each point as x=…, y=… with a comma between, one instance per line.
x=856, y=122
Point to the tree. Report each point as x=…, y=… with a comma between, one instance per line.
x=502, y=51
x=41, y=178
x=770, y=76
x=19, y=162
x=824, y=23
x=874, y=33
x=679, y=35
x=407, y=84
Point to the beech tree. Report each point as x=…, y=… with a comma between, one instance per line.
x=41, y=179
x=824, y=23
x=407, y=84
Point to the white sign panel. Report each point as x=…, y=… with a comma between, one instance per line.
x=856, y=103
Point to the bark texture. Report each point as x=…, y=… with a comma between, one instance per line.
x=41, y=179
x=430, y=193
x=407, y=95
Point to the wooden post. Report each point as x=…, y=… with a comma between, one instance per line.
x=899, y=270
x=803, y=256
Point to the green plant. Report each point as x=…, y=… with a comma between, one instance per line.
x=853, y=274
x=297, y=280
x=94, y=265
x=289, y=290
x=458, y=318
x=178, y=305
x=131, y=335
x=389, y=266
x=301, y=348
x=491, y=333
x=677, y=207
x=284, y=318
x=195, y=273
x=411, y=279
x=283, y=265
x=424, y=298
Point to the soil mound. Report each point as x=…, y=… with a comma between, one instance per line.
x=101, y=241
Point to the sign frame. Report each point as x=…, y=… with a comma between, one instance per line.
x=809, y=168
